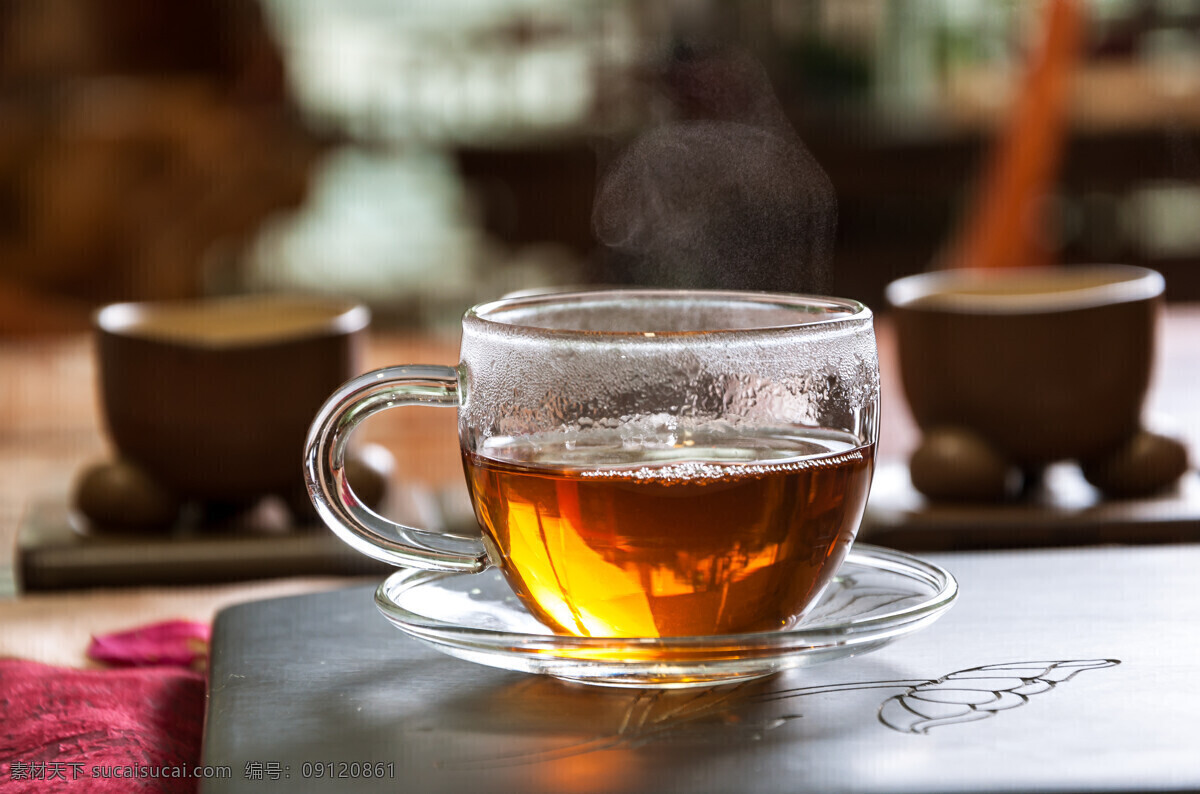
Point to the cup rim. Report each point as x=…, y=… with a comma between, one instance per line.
x=1082, y=287
x=840, y=310
x=345, y=316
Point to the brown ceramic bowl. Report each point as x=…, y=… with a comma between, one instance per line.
x=1044, y=363
x=213, y=398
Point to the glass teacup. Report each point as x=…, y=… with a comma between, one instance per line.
x=643, y=463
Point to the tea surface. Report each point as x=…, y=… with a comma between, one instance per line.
x=700, y=534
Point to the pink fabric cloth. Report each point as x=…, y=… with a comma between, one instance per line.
x=130, y=730
x=179, y=643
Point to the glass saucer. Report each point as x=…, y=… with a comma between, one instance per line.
x=877, y=596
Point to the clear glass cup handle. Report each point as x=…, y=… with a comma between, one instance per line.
x=336, y=503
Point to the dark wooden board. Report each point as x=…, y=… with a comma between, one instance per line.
x=1094, y=689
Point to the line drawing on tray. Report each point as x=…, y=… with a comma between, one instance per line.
x=978, y=693
x=967, y=695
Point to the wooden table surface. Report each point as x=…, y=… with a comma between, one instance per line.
x=50, y=427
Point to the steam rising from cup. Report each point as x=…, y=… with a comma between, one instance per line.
x=722, y=194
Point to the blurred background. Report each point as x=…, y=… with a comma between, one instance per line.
x=424, y=156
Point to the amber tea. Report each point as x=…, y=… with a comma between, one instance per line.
x=699, y=534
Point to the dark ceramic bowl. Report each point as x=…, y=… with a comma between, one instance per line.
x=213, y=398
x=1044, y=363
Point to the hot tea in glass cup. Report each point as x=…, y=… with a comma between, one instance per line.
x=642, y=463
